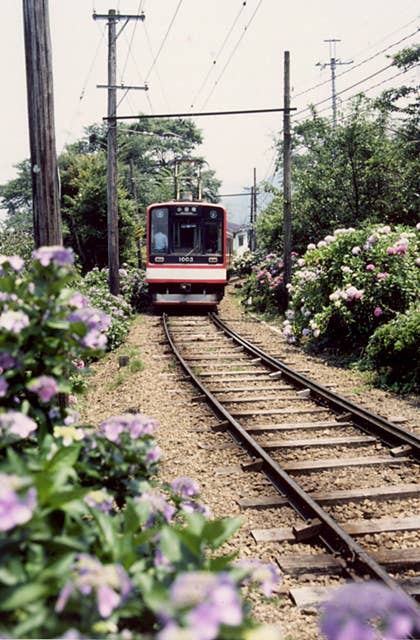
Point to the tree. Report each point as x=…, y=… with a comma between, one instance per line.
x=151, y=147
x=344, y=176
x=84, y=209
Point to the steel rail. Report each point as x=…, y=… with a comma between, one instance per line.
x=391, y=434
x=356, y=562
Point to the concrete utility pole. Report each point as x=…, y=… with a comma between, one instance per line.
x=45, y=180
x=333, y=64
x=287, y=181
x=112, y=196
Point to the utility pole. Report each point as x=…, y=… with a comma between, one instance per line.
x=44, y=169
x=139, y=227
x=254, y=211
x=287, y=181
x=333, y=64
x=112, y=195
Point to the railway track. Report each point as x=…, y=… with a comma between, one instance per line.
x=318, y=453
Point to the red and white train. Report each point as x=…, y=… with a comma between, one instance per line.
x=189, y=251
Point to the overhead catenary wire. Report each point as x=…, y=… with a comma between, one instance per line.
x=124, y=66
x=232, y=54
x=219, y=52
x=164, y=39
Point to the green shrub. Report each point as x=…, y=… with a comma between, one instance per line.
x=351, y=283
x=394, y=351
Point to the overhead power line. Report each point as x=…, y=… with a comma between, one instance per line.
x=356, y=66
x=372, y=75
x=202, y=113
x=232, y=54
x=203, y=84
x=164, y=39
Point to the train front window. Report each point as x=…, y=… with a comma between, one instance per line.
x=186, y=236
x=159, y=230
x=213, y=236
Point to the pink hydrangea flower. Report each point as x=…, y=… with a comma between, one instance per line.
x=45, y=387
x=377, y=312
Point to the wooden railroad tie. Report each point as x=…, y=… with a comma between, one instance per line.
x=337, y=497
x=355, y=528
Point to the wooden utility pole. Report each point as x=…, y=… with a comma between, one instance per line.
x=134, y=196
x=39, y=80
x=112, y=173
x=287, y=183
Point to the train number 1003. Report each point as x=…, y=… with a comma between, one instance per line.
x=185, y=259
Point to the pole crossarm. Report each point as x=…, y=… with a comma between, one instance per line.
x=125, y=87
x=204, y=113
x=118, y=16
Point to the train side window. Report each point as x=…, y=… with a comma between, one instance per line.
x=159, y=230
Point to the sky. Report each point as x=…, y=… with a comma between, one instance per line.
x=197, y=55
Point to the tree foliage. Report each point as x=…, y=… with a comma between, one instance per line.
x=147, y=150
x=365, y=169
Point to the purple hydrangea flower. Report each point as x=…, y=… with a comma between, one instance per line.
x=360, y=610
x=55, y=253
x=14, y=321
x=377, y=312
x=112, y=428
x=141, y=425
x=212, y=598
x=110, y=583
x=154, y=454
x=15, y=507
x=136, y=425
x=78, y=300
x=7, y=361
x=92, y=318
x=94, y=340
x=157, y=504
x=17, y=424
x=185, y=487
x=265, y=575
x=45, y=387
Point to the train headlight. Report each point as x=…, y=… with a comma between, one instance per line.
x=213, y=260
x=159, y=259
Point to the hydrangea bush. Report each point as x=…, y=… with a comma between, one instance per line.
x=262, y=291
x=350, y=284
x=133, y=298
x=47, y=329
x=242, y=264
x=93, y=545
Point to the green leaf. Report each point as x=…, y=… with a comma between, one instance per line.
x=58, y=324
x=65, y=457
x=216, y=532
x=20, y=596
x=170, y=544
x=107, y=534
